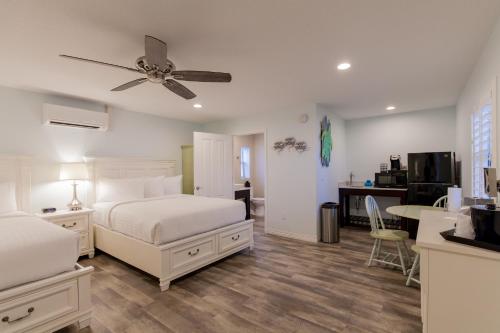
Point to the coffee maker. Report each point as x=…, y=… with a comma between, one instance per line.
x=395, y=162
x=486, y=218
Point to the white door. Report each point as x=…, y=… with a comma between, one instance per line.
x=213, y=175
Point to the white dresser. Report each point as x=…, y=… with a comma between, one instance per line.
x=79, y=221
x=460, y=284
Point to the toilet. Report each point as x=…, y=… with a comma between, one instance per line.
x=258, y=208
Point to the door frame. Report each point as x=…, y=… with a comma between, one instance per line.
x=266, y=168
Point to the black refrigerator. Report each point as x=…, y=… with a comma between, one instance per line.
x=429, y=176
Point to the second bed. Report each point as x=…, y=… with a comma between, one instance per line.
x=166, y=236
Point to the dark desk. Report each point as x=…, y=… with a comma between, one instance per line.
x=244, y=195
x=346, y=191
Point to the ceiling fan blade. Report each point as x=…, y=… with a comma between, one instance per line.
x=129, y=84
x=156, y=52
x=201, y=76
x=98, y=62
x=179, y=89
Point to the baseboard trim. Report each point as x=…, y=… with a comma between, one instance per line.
x=302, y=237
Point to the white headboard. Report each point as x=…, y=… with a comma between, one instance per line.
x=112, y=167
x=17, y=169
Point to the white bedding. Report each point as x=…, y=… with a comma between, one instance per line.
x=169, y=218
x=32, y=249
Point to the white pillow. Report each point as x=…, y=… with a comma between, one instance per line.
x=172, y=185
x=8, y=197
x=122, y=189
x=153, y=187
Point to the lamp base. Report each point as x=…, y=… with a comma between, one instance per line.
x=75, y=204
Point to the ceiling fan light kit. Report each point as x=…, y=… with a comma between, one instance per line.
x=159, y=69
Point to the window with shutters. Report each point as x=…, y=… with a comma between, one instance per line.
x=483, y=144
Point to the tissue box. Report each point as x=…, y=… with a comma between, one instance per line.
x=469, y=201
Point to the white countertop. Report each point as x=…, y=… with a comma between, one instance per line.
x=434, y=222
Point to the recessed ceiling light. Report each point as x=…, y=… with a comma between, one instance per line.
x=344, y=66
x=197, y=106
x=390, y=108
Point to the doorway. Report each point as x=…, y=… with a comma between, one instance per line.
x=249, y=171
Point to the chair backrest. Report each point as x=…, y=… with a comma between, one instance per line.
x=376, y=221
x=441, y=202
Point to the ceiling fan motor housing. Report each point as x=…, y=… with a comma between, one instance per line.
x=153, y=73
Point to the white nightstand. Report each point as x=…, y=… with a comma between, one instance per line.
x=79, y=221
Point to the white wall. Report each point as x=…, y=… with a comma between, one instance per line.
x=259, y=166
x=484, y=75
x=130, y=134
x=291, y=205
x=370, y=141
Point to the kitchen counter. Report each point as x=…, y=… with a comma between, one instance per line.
x=434, y=222
x=373, y=188
x=357, y=189
x=459, y=283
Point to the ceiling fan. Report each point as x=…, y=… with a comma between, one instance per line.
x=158, y=69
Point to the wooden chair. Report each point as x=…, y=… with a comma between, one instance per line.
x=380, y=234
x=416, y=264
x=441, y=202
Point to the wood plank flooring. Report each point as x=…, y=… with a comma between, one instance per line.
x=283, y=285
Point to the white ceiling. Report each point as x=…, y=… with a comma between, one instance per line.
x=414, y=54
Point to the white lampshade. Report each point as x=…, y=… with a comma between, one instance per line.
x=73, y=171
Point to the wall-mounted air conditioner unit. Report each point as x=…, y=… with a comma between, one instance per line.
x=73, y=117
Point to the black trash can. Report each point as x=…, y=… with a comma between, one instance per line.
x=329, y=223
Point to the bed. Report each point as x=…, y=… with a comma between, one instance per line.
x=166, y=236
x=34, y=249
x=42, y=288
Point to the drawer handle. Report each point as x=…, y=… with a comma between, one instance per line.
x=69, y=226
x=7, y=320
x=236, y=238
x=193, y=253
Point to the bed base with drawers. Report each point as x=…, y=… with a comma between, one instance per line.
x=173, y=260
x=49, y=304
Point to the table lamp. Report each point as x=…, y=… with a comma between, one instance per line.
x=74, y=172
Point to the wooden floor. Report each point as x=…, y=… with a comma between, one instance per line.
x=283, y=285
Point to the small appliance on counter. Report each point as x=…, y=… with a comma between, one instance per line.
x=392, y=178
x=486, y=218
x=395, y=162
x=486, y=222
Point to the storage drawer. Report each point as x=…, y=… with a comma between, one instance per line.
x=77, y=223
x=234, y=238
x=193, y=253
x=84, y=241
x=24, y=313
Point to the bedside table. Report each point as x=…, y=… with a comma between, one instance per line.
x=77, y=220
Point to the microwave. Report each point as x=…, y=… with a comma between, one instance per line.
x=392, y=178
